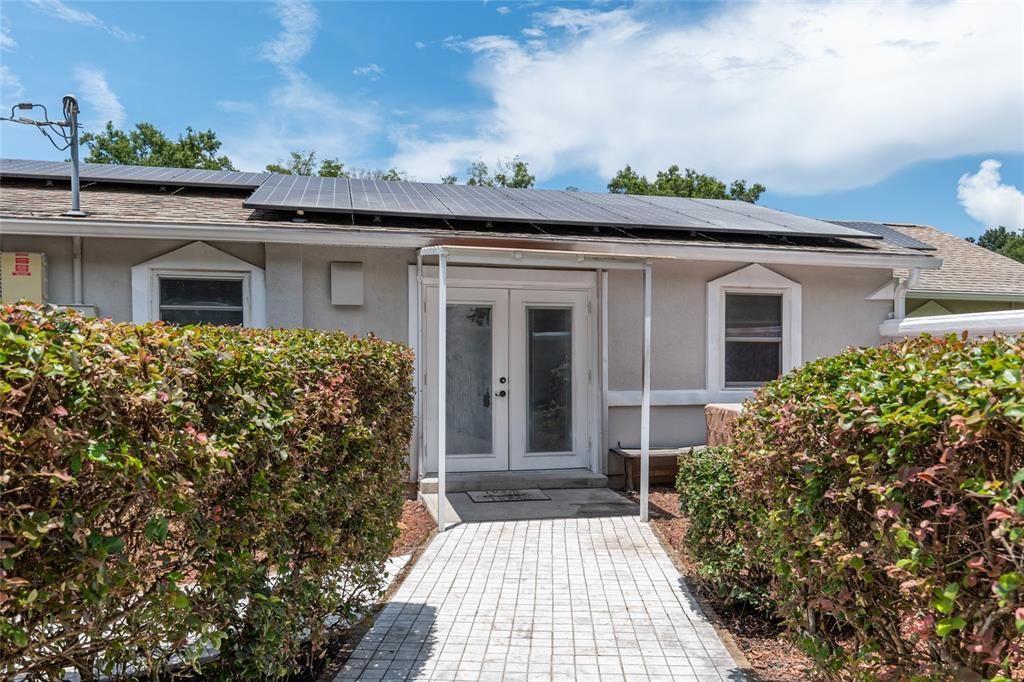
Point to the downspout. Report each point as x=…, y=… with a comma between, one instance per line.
x=900, y=299
x=77, y=295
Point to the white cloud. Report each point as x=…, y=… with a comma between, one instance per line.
x=990, y=202
x=805, y=98
x=299, y=22
x=419, y=44
x=10, y=84
x=74, y=15
x=503, y=10
x=100, y=103
x=7, y=41
x=297, y=113
x=371, y=71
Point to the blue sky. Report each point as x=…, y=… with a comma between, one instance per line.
x=908, y=112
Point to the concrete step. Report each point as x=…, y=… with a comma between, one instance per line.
x=507, y=480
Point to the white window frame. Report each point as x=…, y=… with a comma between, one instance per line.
x=752, y=279
x=198, y=260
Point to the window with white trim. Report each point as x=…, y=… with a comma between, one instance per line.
x=201, y=299
x=753, y=328
x=753, y=338
x=199, y=284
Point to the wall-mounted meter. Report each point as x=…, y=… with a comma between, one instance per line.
x=22, y=277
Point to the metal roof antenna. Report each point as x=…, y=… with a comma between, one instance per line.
x=66, y=131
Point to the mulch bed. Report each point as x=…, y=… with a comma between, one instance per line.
x=416, y=526
x=762, y=641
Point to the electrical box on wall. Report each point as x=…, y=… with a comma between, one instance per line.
x=22, y=277
x=346, y=283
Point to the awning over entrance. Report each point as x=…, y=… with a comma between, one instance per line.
x=524, y=258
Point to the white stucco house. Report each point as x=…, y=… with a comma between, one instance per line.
x=574, y=321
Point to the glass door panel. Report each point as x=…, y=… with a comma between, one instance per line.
x=549, y=390
x=476, y=362
x=549, y=379
x=469, y=408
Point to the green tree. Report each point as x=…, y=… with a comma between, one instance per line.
x=688, y=183
x=146, y=145
x=512, y=172
x=1009, y=243
x=304, y=163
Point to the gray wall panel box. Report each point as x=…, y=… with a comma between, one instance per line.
x=346, y=283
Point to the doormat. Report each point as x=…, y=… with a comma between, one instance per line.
x=514, y=495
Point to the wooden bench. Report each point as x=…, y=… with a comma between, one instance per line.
x=664, y=464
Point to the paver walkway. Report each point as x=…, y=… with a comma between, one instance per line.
x=554, y=599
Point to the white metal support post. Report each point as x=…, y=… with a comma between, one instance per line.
x=645, y=399
x=442, y=376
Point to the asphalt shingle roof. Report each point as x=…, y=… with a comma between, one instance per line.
x=33, y=199
x=966, y=267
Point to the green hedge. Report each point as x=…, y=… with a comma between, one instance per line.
x=720, y=525
x=888, y=488
x=163, y=488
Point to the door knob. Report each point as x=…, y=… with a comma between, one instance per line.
x=501, y=393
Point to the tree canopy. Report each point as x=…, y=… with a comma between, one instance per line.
x=304, y=163
x=512, y=172
x=146, y=145
x=1009, y=243
x=689, y=183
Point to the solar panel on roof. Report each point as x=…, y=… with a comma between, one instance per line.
x=430, y=200
x=640, y=212
x=562, y=207
x=796, y=223
x=302, y=192
x=147, y=175
x=482, y=203
x=388, y=196
x=889, y=234
x=697, y=216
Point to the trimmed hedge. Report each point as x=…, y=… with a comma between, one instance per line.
x=721, y=522
x=163, y=488
x=886, y=488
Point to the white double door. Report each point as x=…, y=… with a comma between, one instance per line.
x=517, y=393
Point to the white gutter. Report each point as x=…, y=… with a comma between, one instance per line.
x=900, y=297
x=965, y=295
x=975, y=324
x=402, y=238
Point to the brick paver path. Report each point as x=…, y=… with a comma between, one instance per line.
x=559, y=599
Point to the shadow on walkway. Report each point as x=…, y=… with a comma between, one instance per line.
x=396, y=647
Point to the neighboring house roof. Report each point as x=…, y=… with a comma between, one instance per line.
x=967, y=269
x=165, y=205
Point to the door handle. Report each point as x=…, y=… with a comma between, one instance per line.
x=501, y=393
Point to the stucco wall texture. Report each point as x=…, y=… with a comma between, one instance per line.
x=835, y=313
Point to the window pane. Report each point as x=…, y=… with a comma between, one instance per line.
x=200, y=292
x=753, y=315
x=752, y=362
x=191, y=316
x=549, y=358
x=469, y=380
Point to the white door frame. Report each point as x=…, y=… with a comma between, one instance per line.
x=520, y=456
x=497, y=300
x=508, y=278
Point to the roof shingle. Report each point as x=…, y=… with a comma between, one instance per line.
x=966, y=268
